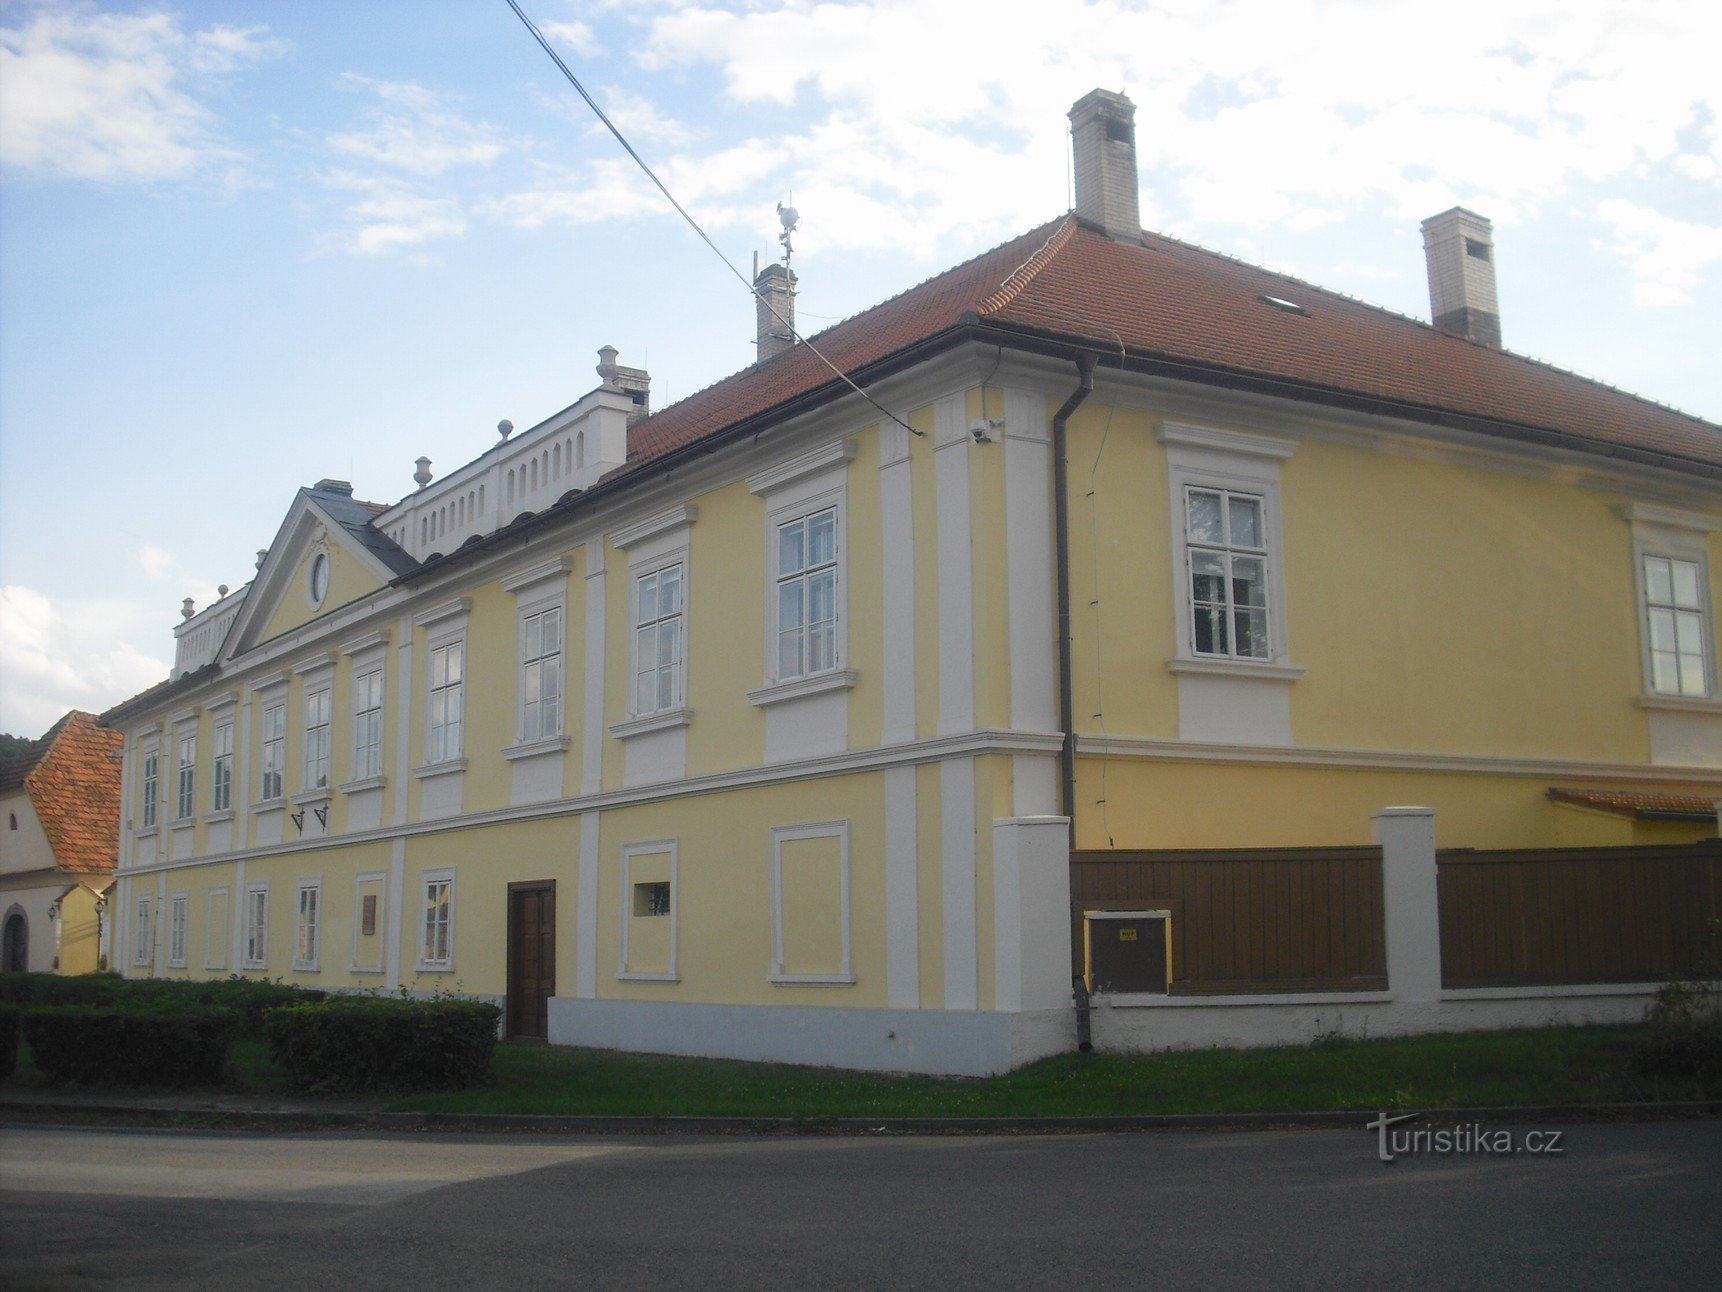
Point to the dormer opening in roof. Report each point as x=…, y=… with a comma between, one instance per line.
x=1459, y=247
x=1103, y=141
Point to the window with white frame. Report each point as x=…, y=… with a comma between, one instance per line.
x=446, y=680
x=150, y=788
x=256, y=926
x=368, y=724
x=1676, y=624
x=143, y=935
x=658, y=640
x=305, y=930
x=221, y=769
x=436, y=928
x=186, y=802
x=317, y=739
x=807, y=594
x=541, y=674
x=1227, y=557
x=274, y=760
x=176, y=916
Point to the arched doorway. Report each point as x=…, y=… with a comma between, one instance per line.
x=15, y=943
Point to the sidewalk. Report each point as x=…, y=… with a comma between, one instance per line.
x=218, y=1111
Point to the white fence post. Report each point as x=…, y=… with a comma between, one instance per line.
x=1031, y=912
x=1410, y=902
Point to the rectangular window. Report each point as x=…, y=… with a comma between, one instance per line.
x=653, y=898
x=541, y=674
x=151, y=786
x=436, y=946
x=1228, y=570
x=368, y=725
x=274, y=750
x=807, y=595
x=658, y=640
x=305, y=941
x=317, y=740
x=446, y=674
x=257, y=926
x=221, y=771
x=143, y=945
x=176, y=930
x=1674, y=609
x=187, y=803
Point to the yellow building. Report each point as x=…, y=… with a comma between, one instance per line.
x=749, y=726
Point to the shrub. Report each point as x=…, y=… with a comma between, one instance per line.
x=164, y=1044
x=359, y=1044
x=31, y=989
x=8, y=1040
x=249, y=998
x=1683, y=1027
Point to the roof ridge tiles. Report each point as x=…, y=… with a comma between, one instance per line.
x=1024, y=273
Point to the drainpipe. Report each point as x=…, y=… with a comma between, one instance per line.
x=1061, y=527
x=1066, y=701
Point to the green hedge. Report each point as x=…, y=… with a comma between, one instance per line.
x=8, y=1040
x=166, y=1044
x=359, y=1044
x=248, y=998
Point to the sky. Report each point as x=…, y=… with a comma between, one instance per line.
x=245, y=246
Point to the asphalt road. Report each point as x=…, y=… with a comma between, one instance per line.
x=1637, y=1205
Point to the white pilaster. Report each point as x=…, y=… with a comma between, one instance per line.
x=902, y=891
x=1031, y=912
x=956, y=568
x=592, y=713
x=395, y=918
x=897, y=618
x=1411, y=902
x=957, y=869
x=586, y=915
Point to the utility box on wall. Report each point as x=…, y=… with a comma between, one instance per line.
x=1127, y=951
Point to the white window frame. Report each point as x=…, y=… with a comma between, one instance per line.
x=255, y=953
x=211, y=926
x=1706, y=652
x=143, y=931
x=313, y=889
x=276, y=744
x=360, y=881
x=185, y=777
x=792, y=491
x=427, y=881
x=178, y=907
x=369, y=713
x=651, y=847
x=839, y=830
x=1237, y=462
x=1675, y=535
x=531, y=725
x=319, y=728
x=149, y=786
x=638, y=668
x=221, y=767
x=653, y=546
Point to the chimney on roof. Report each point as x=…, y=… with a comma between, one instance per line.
x=635, y=383
x=774, y=310
x=1103, y=133
x=1459, y=246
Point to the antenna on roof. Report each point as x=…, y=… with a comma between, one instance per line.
x=788, y=217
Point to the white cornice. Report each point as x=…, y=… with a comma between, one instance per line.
x=221, y=702
x=268, y=682
x=315, y=665
x=650, y=722
x=458, y=607
x=835, y=454
x=1644, y=513
x=370, y=641
x=663, y=523
x=1186, y=435
x=185, y=715
x=1258, y=669
x=547, y=572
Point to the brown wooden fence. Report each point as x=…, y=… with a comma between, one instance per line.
x=1278, y=919
x=1550, y=916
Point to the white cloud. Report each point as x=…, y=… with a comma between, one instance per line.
x=1665, y=255
x=71, y=655
x=157, y=564
x=416, y=131
x=391, y=216
x=577, y=36
x=102, y=96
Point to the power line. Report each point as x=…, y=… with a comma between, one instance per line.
x=694, y=224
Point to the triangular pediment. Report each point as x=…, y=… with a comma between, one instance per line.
x=325, y=555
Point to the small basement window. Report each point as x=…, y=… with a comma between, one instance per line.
x=1280, y=303
x=652, y=899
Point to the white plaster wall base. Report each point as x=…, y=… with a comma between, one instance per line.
x=1685, y=739
x=1234, y=710
x=365, y=809
x=808, y=726
x=655, y=756
x=946, y=1042
x=536, y=778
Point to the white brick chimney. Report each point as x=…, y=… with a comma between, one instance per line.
x=1459, y=246
x=774, y=308
x=1103, y=131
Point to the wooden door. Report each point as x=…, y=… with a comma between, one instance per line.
x=531, y=957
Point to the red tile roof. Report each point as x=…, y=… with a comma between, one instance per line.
x=73, y=779
x=1636, y=804
x=1192, y=312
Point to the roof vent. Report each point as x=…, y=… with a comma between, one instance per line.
x=1459, y=247
x=1281, y=303
x=1103, y=131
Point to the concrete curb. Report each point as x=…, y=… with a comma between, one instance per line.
x=264, y=1119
